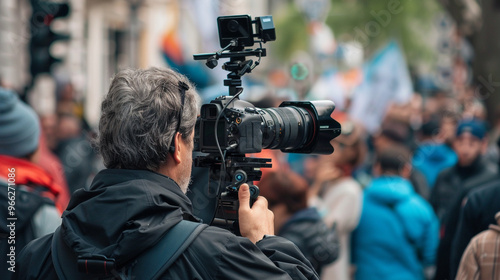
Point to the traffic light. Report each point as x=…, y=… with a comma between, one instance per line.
x=42, y=36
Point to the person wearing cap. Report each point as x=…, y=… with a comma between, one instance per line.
x=471, y=171
x=20, y=145
x=32, y=188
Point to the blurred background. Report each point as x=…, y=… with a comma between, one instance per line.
x=364, y=55
x=408, y=73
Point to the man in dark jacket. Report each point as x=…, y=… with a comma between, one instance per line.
x=146, y=140
x=471, y=171
x=476, y=215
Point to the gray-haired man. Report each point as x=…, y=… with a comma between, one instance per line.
x=146, y=140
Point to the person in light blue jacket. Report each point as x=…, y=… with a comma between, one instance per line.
x=398, y=233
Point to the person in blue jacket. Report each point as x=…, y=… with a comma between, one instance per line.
x=398, y=233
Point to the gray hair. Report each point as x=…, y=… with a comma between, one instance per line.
x=140, y=115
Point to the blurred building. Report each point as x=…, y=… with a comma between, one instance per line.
x=109, y=35
x=14, y=36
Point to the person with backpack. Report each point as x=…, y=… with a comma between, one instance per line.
x=135, y=221
x=27, y=192
x=398, y=233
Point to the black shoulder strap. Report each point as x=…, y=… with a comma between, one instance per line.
x=149, y=265
x=155, y=261
x=62, y=256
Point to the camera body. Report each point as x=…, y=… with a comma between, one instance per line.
x=239, y=129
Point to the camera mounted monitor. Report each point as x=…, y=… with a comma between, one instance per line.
x=239, y=30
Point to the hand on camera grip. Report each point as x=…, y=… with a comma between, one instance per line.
x=257, y=220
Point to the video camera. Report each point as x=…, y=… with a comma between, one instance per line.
x=228, y=128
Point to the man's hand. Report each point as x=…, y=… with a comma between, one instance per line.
x=257, y=221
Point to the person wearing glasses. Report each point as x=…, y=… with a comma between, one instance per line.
x=145, y=137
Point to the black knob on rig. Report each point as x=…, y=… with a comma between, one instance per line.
x=254, y=192
x=211, y=62
x=241, y=177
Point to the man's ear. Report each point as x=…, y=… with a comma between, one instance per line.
x=177, y=144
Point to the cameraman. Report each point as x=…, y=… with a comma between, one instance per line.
x=146, y=135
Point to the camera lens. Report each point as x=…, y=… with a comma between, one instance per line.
x=287, y=128
x=300, y=127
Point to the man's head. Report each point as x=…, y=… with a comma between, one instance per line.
x=19, y=126
x=394, y=160
x=349, y=146
x=144, y=115
x=392, y=132
x=284, y=188
x=470, y=141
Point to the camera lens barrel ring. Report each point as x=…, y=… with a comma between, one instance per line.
x=289, y=127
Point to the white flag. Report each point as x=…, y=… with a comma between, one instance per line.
x=386, y=80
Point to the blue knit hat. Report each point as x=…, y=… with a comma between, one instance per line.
x=474, y=127
x=19, y=126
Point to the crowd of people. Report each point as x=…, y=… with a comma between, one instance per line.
x=407, y=200
x=416, y=200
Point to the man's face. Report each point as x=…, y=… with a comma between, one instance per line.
x=468, y=148
x=187, y=163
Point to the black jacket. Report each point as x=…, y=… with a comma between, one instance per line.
x=452, y=181
x=477, y=214
x=307, y=230
x=125, y=212
x=451, y=188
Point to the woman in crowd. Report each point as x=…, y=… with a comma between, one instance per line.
x=337, y=196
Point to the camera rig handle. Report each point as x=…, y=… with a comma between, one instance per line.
x=239, y=169
x=237, y=65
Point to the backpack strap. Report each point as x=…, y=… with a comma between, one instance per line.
x=63, y=256
x=155, y=261
x=410, y=240
x=151, y=264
